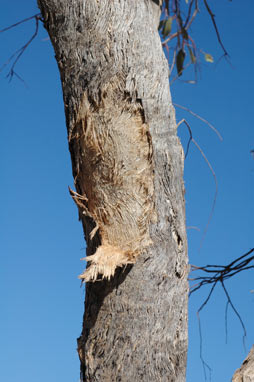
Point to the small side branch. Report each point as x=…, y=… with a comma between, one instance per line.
x=214, y=274
x=14, y=58
x=20, y=22
x=191, y=139
x=229, y=302
x=215, y=27
x=176, y=25
x=211, y=274
x=201, y=119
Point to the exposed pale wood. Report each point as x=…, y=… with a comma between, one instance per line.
x=128, y=166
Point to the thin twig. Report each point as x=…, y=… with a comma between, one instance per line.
x=178, y=75
x=190, y=135
x=226, y=322
x=38, y=15
x=204, y=363
x=220, y=273
x=236, y=312
x=189, y=13
x=171, y=37
x=192, y=227
x=201, y=119
x=192, y=18
x=173, y=62
x=191, y=139
x=215, y=27
x=21, y=50
x=215, y=194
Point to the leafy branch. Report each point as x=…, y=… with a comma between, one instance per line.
x=176, y=25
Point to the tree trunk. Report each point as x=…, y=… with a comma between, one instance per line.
x=127, y=167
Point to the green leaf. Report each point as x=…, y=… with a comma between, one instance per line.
x=179, y=61
x=167, y=27
x=208, y=57
x=192, y=55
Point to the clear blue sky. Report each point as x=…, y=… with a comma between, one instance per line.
x=42, y=240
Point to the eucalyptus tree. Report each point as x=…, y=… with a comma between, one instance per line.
x=128, y=172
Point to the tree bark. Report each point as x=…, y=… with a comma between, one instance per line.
x=246, y=371
x=127, y=167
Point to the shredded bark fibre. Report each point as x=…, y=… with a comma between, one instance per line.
x=114, y=177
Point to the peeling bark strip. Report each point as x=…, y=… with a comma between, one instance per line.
x=127, y=166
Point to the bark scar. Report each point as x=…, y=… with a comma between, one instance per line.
x=114, y=158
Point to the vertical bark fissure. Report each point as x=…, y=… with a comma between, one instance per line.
x=127, y=166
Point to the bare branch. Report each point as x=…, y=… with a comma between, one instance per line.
x=201, y=119
x=171, y=37
x=177, y=76
x=218, y=274
x=173, y=62
x=190, y=135
x=221, y=272
x=16, y=56
x=189, y=12
x=193, y=16
x=215, y=27
x=204, y=363
x=193, y=227
x=215, y=194
x=226, y=322
x=236, y=312
x=191, y=139
x=38, y=15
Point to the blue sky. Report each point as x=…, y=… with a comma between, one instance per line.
x=42, y=240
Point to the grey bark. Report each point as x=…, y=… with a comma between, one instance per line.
x=127, y=167
x=246, y=371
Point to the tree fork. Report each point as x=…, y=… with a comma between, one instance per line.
x=127, y=166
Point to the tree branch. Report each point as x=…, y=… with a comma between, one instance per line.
x=16, y=55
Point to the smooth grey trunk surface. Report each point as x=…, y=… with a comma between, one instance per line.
x=127, y=167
